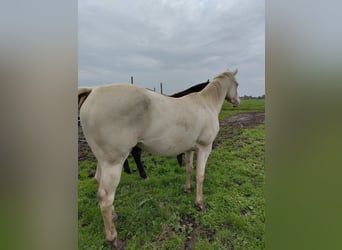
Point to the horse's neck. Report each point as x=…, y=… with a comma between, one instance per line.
x=215, y=94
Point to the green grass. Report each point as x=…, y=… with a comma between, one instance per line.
x=157, y=214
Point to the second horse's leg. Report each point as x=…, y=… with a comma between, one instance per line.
x=180, y=159
x=126, y=167
x=188, y=164
x=136, y=152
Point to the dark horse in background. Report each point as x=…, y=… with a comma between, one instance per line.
x=136, y=151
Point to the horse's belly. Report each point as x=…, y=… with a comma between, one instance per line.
x=166, y=147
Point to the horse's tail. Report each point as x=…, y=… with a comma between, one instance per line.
x=82, y=95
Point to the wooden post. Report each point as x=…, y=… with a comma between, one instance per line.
x=161, y=88
x=132, y=80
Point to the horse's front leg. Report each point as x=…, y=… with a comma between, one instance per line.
x=188, y=164
x=202, y=157
x=109, y=180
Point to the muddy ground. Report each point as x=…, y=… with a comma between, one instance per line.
x=238, y=121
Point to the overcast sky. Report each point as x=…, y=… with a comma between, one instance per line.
x=178, y=43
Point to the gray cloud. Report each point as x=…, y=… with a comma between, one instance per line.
x=175, y=42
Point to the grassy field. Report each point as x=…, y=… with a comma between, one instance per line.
x=157, y=214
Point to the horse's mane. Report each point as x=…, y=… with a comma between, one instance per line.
x=195, y=88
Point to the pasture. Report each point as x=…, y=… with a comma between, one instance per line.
x=157, y=214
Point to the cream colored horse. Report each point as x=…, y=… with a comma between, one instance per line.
x=115, y=118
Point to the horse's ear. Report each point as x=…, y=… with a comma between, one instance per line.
x=235, y=72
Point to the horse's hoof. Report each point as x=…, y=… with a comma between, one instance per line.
x=143, y=175
x=201, y=207
x=118, y=244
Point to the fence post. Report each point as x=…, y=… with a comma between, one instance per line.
x=161, y=88
x=132, y=80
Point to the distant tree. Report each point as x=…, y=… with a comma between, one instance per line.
x=248, y=97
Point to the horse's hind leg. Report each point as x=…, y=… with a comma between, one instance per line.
x=188, y=164
x=98, y=173
x=109, y=180
x=98, y=179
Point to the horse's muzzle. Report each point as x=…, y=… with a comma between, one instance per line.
x=236, y=103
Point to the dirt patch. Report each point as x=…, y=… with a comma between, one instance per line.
x=244, y=120
x=189, y=226
x=192, y=231
x=238, y=121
